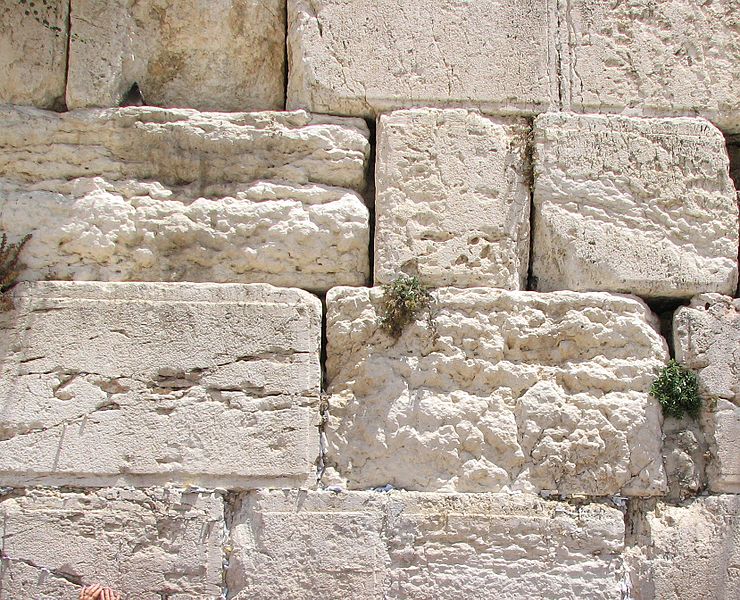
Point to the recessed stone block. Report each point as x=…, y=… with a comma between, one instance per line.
x=452, y=199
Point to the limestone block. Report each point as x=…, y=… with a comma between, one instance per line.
x=687, y=552
x=495, y=390
x=151, y=543
x=226, y=55
x=653, y=58
x=33, y=53
x=370, y=56
x=643, y=206
x=707, y=339
x=407, y=545
x=139, y=384
x=452, y=199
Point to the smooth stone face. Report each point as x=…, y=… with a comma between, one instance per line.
x=33, y=52
x=642, y=206
x=653, y=58
x=452, y=199
x=150, y=543
x=226, y=55
x=495, y=390
x=139, y=384
x=707, y=338
x=409, y=545
x=370, y=56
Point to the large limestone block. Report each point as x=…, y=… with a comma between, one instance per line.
x=367, y=545
x=495, y=390
x=707, y=338
x=643, y=57
x=33, y=53
x=367, y=56
x=643, y=206
x=134, y=383
x=226, y=55
x=151, y=544
x=687, y=552
x=452, y=199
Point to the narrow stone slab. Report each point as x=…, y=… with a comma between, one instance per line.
x=140, y=384
x=496, y=390
x=642, y=206
x=227, y=55
x=452, y=199
x=707, y=338
x=408, y=545
x=652, y=58
x=149, y=544
x=369, y=56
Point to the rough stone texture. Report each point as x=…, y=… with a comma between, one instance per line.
x=408, y=545
x=643, y=206
x=665, y=58
x=707, y=339
x=502, y=390
x=134, y=383
x=226, y=55
x=685, y=454
x=367, y=56
x=688, y=552
x=151, y=543
x=452, y=199
x=33, y=61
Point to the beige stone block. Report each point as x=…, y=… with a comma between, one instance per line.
x=370, y=56
x=140, y=384
x=149, y=544
x=226, y=55
x=452, y=199
x=407, y=545
x=494, y=391
x=642, y=206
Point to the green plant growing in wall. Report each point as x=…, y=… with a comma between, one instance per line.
x=8, y=268
x=403, y=299
x=677, y=390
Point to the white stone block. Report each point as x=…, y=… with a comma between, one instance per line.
x=643, y=206
x=140, y=384
x=496, y=390
x=369, y=56
x=226, y=55
x=452, y=199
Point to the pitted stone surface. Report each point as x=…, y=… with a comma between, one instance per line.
x=452, y=199
x=707, y=339
x=368, y=56
x=653, y=58
x=409, y=545
x=138, y=384
x=33, y=61
x=501, y=391
x=151, y=543
x=227, y=55
x=643, y=206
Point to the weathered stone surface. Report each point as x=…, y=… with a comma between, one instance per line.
x=227, y=55
x=367, y=56
x=452, y=199
x=151, y=544
x=653, y=58
x=501, y=391
x=33, y=53
x=134, y=383
x=406, y=545
x=643, y=206
x=688, y=552
x=707, y=339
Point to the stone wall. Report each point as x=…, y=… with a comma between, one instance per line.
x=198, y=395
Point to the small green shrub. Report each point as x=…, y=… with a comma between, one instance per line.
x=677, y=390
x=403, y=298
x=8, y=265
